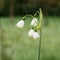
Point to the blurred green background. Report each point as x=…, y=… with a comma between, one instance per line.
x=15, y=43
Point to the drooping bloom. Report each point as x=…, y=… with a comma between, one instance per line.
x=34, y=22
x=20, y=24
x=35, y=35
x=30, y=33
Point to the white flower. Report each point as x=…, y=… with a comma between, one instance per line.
x=30, y=33
x=35, y=35
x=20, y=24
x=34, y=22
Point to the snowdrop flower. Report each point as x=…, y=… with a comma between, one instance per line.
x=20, y=24
x=34, y=22
x=35, y=35
x=30, y=33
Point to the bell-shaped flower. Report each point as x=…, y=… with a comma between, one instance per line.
x=30, y=33
x=20, y=24
x=35, y=35
x=34, y=22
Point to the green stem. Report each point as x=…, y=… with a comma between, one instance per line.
x=36, y=13
x=40, y=21
x=39, y=47
x=28, y=15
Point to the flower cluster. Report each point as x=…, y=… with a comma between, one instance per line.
x=34, y=23
x=32, y=33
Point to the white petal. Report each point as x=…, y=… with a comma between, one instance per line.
x=30, y=33
x=35, y=35
x=20, y=24
x=34, y=22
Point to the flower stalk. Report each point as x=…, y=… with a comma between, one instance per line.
x=40, y=26
x=39, y=46
x=28, y=15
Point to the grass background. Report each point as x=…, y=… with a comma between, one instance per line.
x=19, y=46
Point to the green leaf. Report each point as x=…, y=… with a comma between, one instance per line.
x=40, y=16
